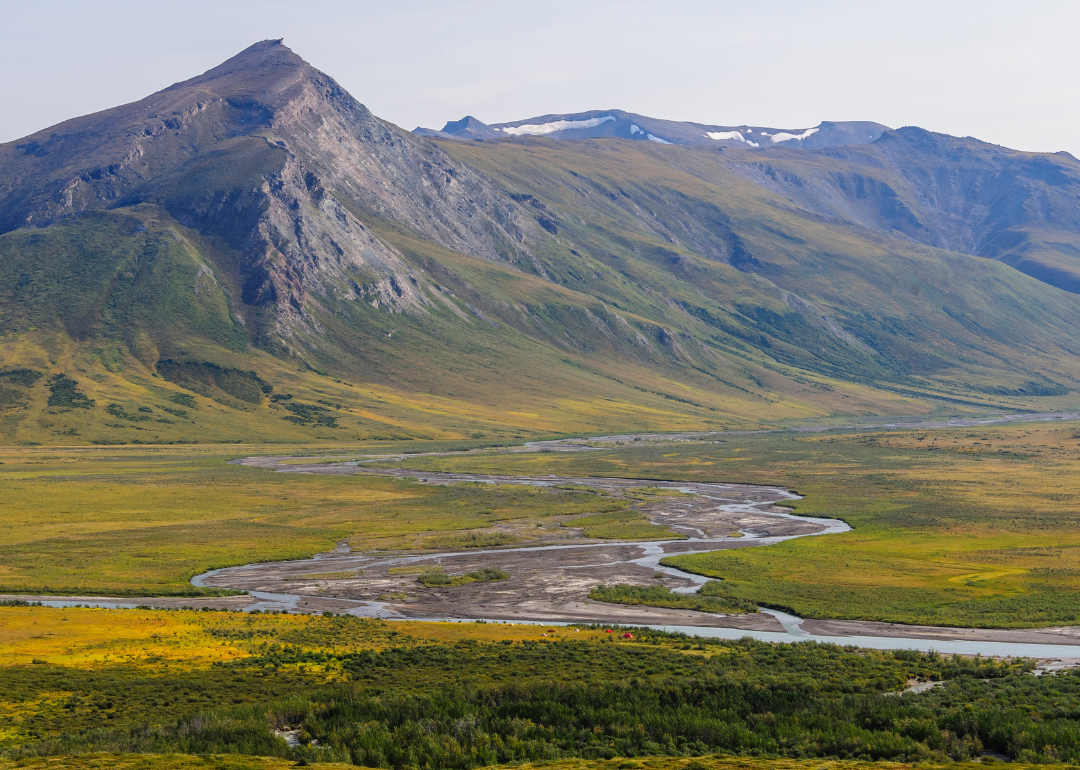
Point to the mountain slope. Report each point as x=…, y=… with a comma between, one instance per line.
x=252, y=255
x=843, y=301
x=954, y=193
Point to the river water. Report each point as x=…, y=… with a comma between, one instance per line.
x=651, y=553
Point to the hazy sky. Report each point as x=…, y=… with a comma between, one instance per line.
x=1005, y=72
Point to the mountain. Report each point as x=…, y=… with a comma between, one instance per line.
x=958, y=194
x=466, y=128
x=628, y=125
x=251, y=255
x=953, y=193
x=276, y=160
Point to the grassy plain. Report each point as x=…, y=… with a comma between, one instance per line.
x=965, y=526
x=411, y=694
x=962, y=526
x=142, y=521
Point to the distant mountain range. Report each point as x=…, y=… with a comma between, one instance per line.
x=252, y=255
x=628, y=125
x=959, y=194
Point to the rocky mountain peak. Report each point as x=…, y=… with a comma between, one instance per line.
x=272, y=156
x=266, y=53
x=263, y=72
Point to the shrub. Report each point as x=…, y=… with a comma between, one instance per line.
x=65, y=393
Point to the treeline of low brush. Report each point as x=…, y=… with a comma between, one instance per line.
x=711, y=597
x=653, y=657
x=461, y=728
x=449, y=705
x=239, y=730
x=1027, y=718
x=803, y=700
x=485, y=575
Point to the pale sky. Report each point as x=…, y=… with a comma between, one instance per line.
x=1005, y=72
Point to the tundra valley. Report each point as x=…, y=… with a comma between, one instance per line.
x=589, y=440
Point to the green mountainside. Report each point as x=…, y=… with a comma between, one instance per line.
x=251, y=255
x=960, y=194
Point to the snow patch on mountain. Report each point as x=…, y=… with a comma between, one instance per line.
x=539, y=129
x=782, y=136
x=722, y=135
x=732, y=136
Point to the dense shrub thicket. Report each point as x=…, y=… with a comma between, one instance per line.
x=469, y=704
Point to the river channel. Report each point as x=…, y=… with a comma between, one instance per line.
x=554, y=578
x=552, y=574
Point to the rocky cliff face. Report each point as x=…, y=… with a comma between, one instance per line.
x=273, y=157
